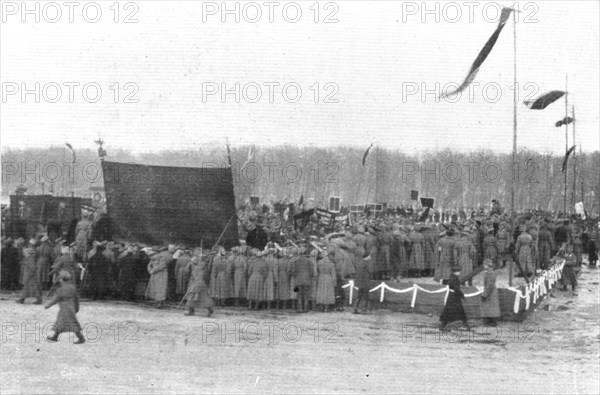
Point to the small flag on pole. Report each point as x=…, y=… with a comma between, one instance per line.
x=544, y=101
x=366, y=154
x=569, y=152
x=564, y=121
x=72, y=150
x=228, y=152
x=483, y=54
x=250, y=157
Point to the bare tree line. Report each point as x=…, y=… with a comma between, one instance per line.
x=455, y=179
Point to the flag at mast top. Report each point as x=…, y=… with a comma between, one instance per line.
x=483, y=54
x=545, y=100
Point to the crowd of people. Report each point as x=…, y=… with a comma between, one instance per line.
x=304, y=272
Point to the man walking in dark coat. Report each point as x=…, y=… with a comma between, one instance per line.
x=128, y=264
x=97, y=271
x=454, y=311
x=363, y=277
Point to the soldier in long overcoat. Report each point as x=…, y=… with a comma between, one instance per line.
x=31, y=277
x=465, y=255
x=577, y=241
x=240, y=274
x=66, y=320
x=271, y=281
x=568, y=276
x=182, y=276
x=157, y=286
x=417, y=254
x=490, y=248
x=283, y=279
x=46, y=256
x=220, y=279
x=503, y=243
x=326, y=282
x=429, y=235
x=489, y=308
x=257, y=272
x=445, y=257
x=524, y=251
x=197, y=293
x=545, y=246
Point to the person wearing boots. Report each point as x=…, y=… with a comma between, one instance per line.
x=569, y=277
x=490, y=305
x=454, y=311
x=197, y=295
x=68, y=302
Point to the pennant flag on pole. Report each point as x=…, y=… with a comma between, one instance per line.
x=228, y=152
x=366, y=154
x=569, y=152
x=544, y=101
x=72, y=150
x=564, y=121
x=250, y=157
x=483, y=54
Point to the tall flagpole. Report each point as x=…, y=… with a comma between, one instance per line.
x=574, y=195
x=514, y=152
x=566, y=139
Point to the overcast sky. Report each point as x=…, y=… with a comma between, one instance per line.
x=373, y=57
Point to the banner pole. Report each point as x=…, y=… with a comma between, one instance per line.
x=514, y=149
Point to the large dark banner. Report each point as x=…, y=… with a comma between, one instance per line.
x=158, y=205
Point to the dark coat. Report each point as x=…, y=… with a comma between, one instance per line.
x=66, y=320
x=97, y=267
x=454, y=311
x=10, y=265
x=363, y=274
x=302, y=271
